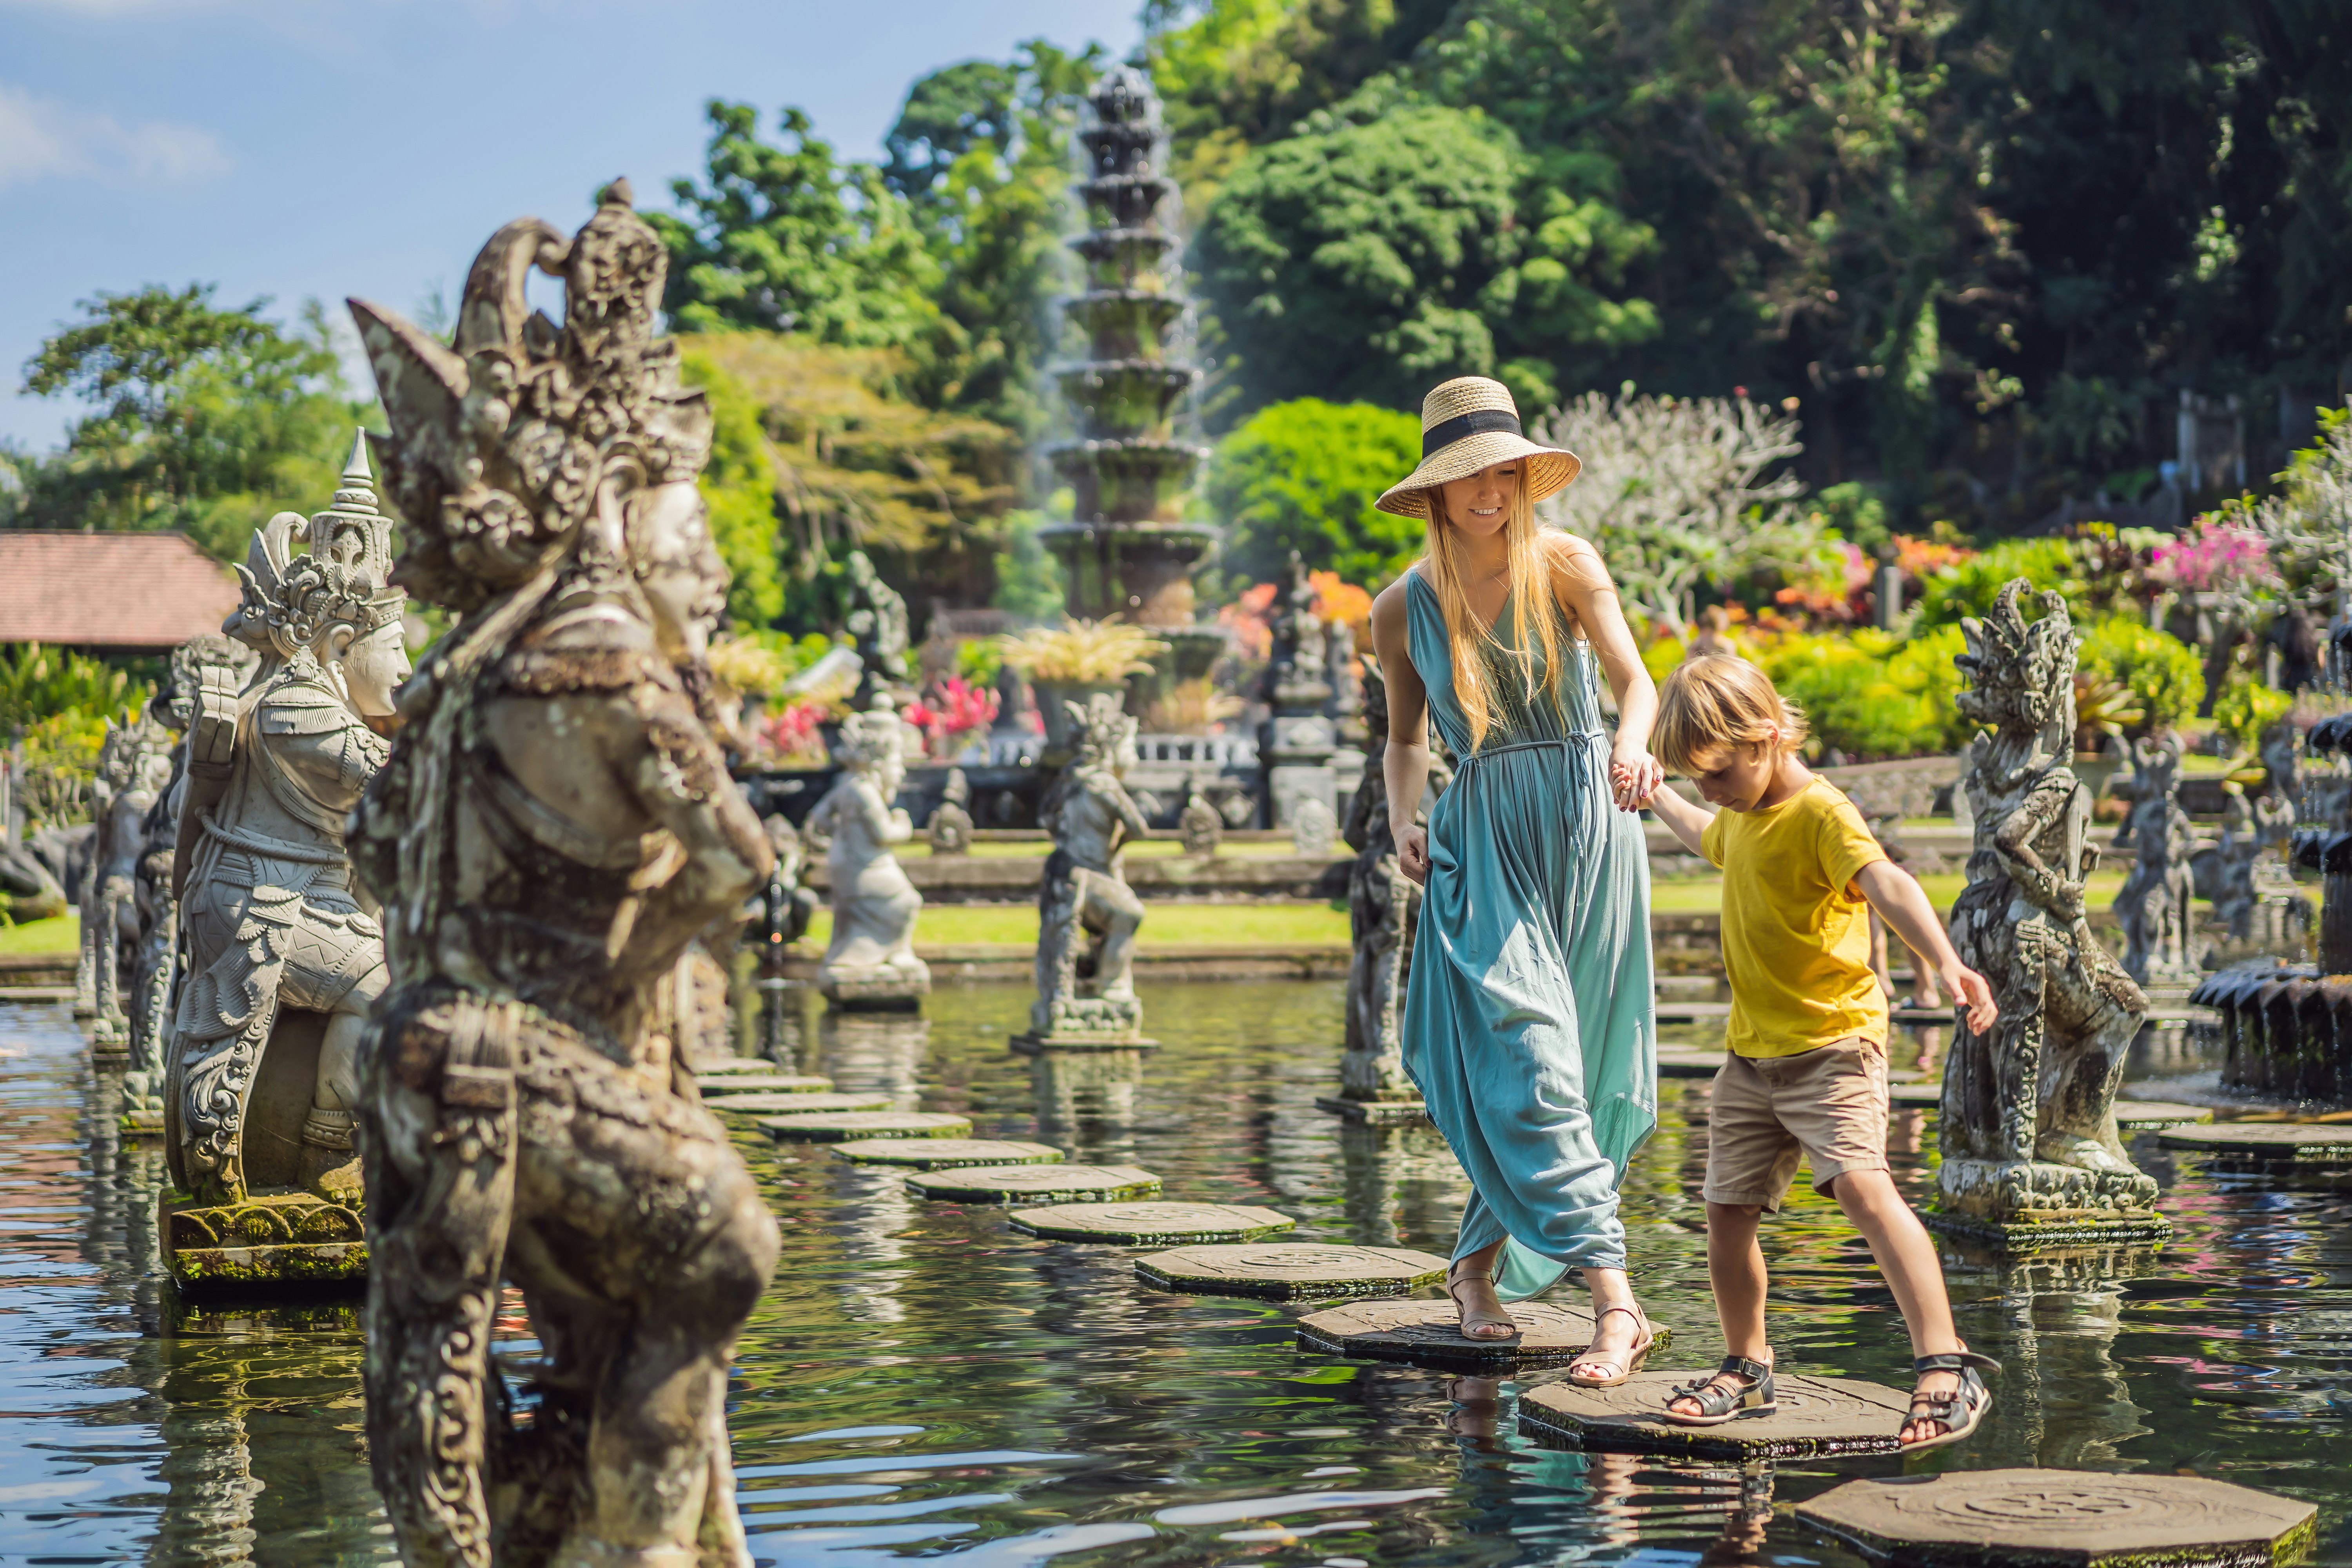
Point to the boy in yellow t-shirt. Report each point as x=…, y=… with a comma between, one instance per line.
x=1806, y=1071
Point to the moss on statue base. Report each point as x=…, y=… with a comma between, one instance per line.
x=267, y=1241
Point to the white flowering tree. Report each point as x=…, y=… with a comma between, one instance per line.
x=1680, y=491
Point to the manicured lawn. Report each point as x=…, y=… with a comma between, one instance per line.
x=1164, y=926
x=1704, y=895
x=62, y=934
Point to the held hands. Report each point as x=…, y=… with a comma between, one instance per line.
x=1634, y=776
x=1412, y=850
x=1974, y=995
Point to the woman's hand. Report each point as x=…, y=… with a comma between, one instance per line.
x=1413, y=851
x=1635, y=775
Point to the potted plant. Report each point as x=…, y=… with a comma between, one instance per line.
x=1075, y=660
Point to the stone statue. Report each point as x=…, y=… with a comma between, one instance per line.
x=134, y=769
x=1313, y=831
x=785, y=906
x=1347, y=680
x=2029, y=1125
x=1383, y=911
x=1086, y=914
x=555, y=825
x=2253, y=894
x=283, y=956
x=1201, y=828
x=878, y=620
x=951, y=825
x=1299, y=657
x=871, y=960
x=2154, y=903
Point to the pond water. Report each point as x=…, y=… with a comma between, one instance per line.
x=923, y=1382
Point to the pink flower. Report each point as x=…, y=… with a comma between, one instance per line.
x=2211, y=554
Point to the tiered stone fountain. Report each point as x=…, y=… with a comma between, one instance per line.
x=1125, y=550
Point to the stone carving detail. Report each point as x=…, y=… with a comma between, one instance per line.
x=2029, y=1121
x=1087, y=915
x=134, y=769
x=871, y=958
x=1297, y=742
x=1313, y=830
x=555, y=825
x=951, y=825
x=270, y=920
x=1383, y=911
x=2254, y=897
x=878, y=620
x=2154, y=903
x=1201, y=828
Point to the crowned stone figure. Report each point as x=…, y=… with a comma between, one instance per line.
x=1087, y=915
x=870, y=961
x=134, y=768
x=2030, y=1144
x=283, y=954
x=555, y=826
x=2153, y=905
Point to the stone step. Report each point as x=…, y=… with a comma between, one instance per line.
x=1289, y=1271
x=1157, y=1224
x=1818, y=1417
x=2301, y=1143
x=848, y=1126
x=1429, y=1333
x=733, y=1083
x=1070, y=1184
x=1374, y=1112
x=798, y=1104
x=945, y=1153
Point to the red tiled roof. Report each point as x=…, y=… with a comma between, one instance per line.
x=109, y=590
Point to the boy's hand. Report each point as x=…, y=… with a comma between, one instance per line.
x=1635, y=775
x=1975, y=995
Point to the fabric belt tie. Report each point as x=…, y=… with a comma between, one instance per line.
x=1561, y=742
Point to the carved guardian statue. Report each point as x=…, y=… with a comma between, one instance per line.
x=2028, y=1126
x=1087, y=915
x=282, y=956
x=555, y=825
x=870, y=961
x=134, y=768
x=1384, y=914
x=2153, y=905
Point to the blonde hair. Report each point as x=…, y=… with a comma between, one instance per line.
x=1468, y=643
x=1722, y=701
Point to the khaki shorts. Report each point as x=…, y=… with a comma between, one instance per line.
x=1830, y=1103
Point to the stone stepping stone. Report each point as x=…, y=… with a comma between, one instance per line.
x=2301, y=1143
x=2159, y=1114
x=798, y=1104
x=1915, y=1094
x=1155, y=1224
x=1688, y=1062
x=1429, y=1333
x=1818, y=1415
x=734, y=1083
x=718, y=1065
x=1289, y=1271
x=945, y=1153
x=1061, y=1184
x=846, y=1126
x=1374, y=1112
x=1988, y=1519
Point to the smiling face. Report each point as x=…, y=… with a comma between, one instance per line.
x=1734, y=777
x=373, y=668
x=1481, y=505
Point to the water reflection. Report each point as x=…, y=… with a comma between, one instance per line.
x=922, y=1381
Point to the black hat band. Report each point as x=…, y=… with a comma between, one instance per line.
x=1484, y=422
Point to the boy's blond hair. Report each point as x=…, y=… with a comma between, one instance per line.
x=1720, y=701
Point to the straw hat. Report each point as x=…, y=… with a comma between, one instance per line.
x=1468, y=424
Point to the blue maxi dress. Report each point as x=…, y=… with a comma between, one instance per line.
x=1530, y=1020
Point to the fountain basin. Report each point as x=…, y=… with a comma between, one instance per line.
x=1124, y=200
x=1123, y=258
x=1125, y=396
x=1140, y=481
x=1128, y=325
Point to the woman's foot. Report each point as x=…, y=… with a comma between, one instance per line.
x=1483, y=1317
x=1621, y=1338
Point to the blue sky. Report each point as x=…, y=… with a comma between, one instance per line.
x=327, y=148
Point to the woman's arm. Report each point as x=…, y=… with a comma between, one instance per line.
x=1404, y=766
x=1581, y=580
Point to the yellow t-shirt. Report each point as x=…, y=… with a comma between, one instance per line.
x=1796, y=939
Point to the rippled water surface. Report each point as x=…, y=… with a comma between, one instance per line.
x=923, y=1382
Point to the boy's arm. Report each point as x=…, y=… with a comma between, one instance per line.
x=1684, y=820
x=1903, y=904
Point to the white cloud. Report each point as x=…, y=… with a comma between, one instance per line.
x=43, y=139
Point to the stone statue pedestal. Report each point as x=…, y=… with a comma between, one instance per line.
x=876, y=988
x=1080, y=1042
x=1987, y=1202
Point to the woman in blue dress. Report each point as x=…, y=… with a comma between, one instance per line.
x=1529, y=1022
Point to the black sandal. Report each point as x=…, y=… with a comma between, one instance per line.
x=1754, y=1395
x=1960, y=1412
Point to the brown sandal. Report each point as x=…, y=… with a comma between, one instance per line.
x=1632, y=1358
x=1508, y=1325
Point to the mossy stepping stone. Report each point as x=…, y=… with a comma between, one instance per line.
x=1291, y=1272
x=718, y=1065
x=1429, y=1333
x=2302, y=1143
x=1818, y=1415
x=1988, y=1519
x=728, y=1084
x=1155, y=1224
x=843, y=1126
x=798, y=1104
x=946, y=1154
x=1059, y=1184
x=2144, y=1113
x=1913, y=1096
x=1688, y=1062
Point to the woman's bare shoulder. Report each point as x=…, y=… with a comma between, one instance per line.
x=1389, y=604
x=1573, y=557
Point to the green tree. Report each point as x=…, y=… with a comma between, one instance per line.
x=783, y=237
x=2163, y=674
x=1390, y=246
x=203, y=418
x=1303, y=476
x=739, y=486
